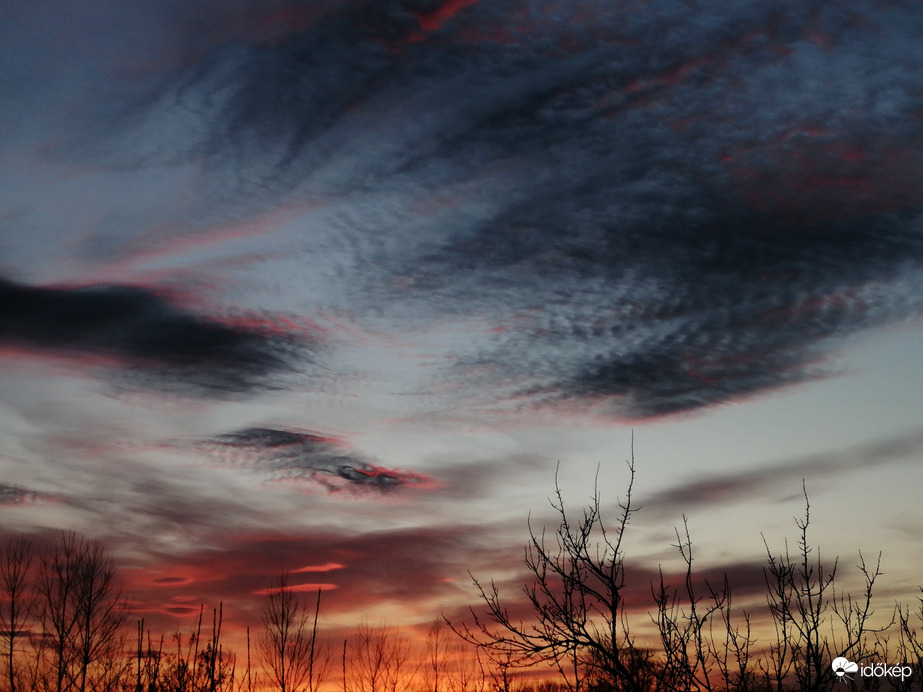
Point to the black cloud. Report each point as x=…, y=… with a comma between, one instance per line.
x=159, y=343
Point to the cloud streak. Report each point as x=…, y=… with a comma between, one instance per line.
x=745, y=485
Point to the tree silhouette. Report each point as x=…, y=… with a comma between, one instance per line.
x=379, y=660
x=577, y=599
x=801, y=597
x=18, y=602
x=81, y=612
x=289, y=648
x=199, y=665
x=578, y=625
x=436, y=656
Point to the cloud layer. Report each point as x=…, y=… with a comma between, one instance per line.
x=656, y=209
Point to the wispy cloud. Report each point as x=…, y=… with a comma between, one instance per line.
x=731, y=487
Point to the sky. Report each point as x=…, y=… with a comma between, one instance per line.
x=335, y=288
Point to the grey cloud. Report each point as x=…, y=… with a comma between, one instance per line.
x=118, y=499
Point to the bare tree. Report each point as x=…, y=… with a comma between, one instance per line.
x=201, y=665
x=732, y=648
x=801, y=597
x=685, y=625
x=379, y=660
x=437, y=649
x=702, y=645
x=17, y=602
x=100, y=615
x=81, y=612
x=148, y=661
x=289, y=648
x=500, y=670
x=58, y=590
x=910, y=640
x=577, y=599
x=468, y=671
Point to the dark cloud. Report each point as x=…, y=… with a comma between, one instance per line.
x=302, y=455
x=659, y=208
x=157, y=342
x=181, y=610
x=664, y=208
x=720, y=310
x=782, y=475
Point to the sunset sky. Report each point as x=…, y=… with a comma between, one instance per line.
x=334, y=287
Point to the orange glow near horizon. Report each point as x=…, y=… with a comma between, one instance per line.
x=297, y=588
x=328, y=567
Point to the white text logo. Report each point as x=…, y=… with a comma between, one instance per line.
x=843, y=667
